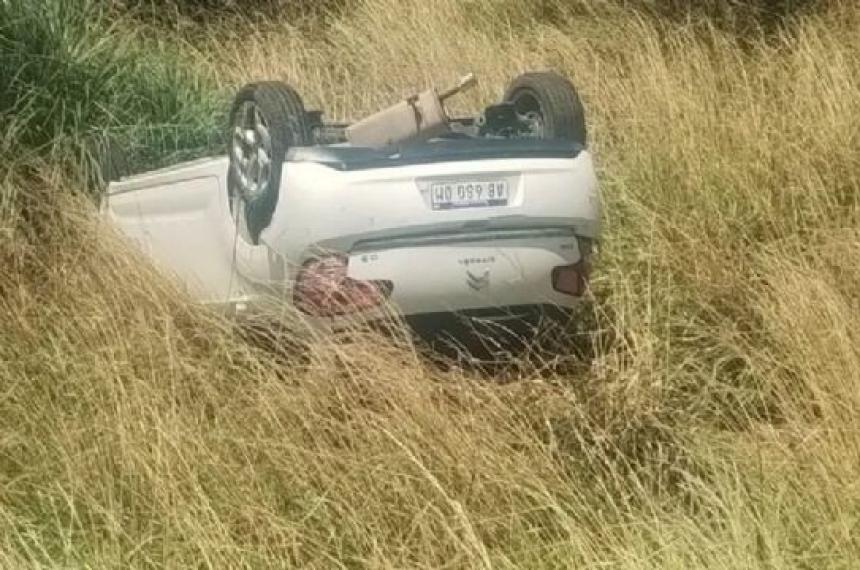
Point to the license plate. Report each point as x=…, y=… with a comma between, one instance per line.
x=473, y=194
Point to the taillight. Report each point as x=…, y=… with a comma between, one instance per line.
x=323, y=289
x=573, y=279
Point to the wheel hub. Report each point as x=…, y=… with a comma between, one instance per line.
x=529, y=111
x=251, y=151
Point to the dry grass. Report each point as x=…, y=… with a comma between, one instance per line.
x=715, y=426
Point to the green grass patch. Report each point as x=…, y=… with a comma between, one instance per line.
x=72, y=73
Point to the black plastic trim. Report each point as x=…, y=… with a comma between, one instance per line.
x=440, y=150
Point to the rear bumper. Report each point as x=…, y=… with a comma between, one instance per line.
x=321, y=207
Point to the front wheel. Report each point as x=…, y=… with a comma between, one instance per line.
x=266, y=119
x=550, y=103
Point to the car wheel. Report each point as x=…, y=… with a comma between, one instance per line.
x=550, y=103
x=266, y=119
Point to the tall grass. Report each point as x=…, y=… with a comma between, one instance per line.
x=714, y=424
x=75, y=74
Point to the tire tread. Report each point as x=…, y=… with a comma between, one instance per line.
x=564, y=114
x=285, y=114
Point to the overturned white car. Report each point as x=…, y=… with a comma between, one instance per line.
x=451, y=221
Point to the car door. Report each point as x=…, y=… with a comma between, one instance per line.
x=180, y=218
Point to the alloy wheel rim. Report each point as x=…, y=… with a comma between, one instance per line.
x=251, y=151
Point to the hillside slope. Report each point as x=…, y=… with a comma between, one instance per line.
x=710, y=421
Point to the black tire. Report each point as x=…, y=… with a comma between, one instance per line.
x=283, y=112
x=554, y=99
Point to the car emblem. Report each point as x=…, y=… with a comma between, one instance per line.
x=478, y=282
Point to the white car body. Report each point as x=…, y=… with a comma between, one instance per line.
x=376, y=210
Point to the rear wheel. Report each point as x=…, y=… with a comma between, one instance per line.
x=550, y=103
x=266, y=119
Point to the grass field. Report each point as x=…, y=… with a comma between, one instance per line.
x=712, y=419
